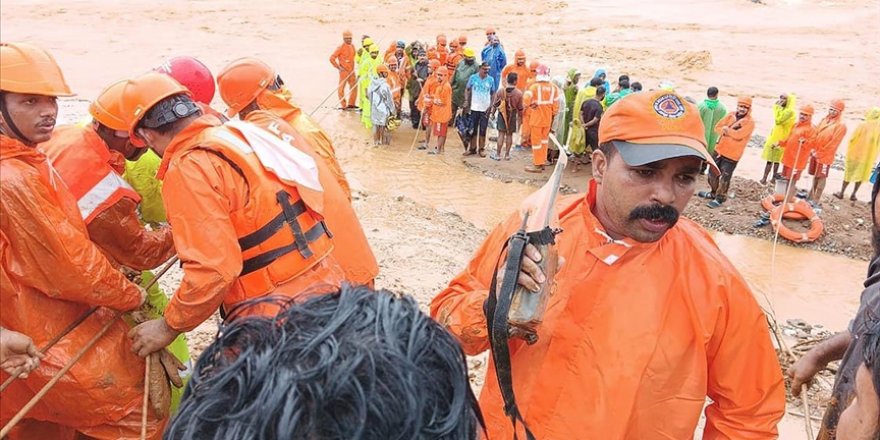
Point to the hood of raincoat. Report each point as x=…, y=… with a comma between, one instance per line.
x=599, y=72
x=792, y=100
x=712, y=104
x=12, y=148
x=572, y=73
x=873, y=114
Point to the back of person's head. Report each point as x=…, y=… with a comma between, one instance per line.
x=637, y=86
x=600, y=91
x=624, y=83
x=353, y=364
x=622, y=77
x=596, y=82
x=512, y=78
x=712, y=92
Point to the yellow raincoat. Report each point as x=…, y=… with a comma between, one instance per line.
x=863, y=148
x=578, y=145
x=783, y=120
x=366, y=70
x=141, y=175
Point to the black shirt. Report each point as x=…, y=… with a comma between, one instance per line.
x=590, y=109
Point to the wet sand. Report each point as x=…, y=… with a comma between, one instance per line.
x=425, y=217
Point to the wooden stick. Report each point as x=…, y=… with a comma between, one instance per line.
x=808, y=423
x=30, y=405
x=79, y=321
x=146, y=397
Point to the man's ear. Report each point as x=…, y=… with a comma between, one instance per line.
x=600, y=165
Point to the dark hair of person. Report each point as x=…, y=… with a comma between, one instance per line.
x=637, y=86
x=608, y=149
x=352, y=364
x=712, y=92
x=596, y=82
x=622, y=77
x=512, y=78
x=624, y=83
x=600, y=90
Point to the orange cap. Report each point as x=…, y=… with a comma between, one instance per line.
x=442, y=70
x=462, y=40
x=381, y=68
x=242, y=81
x=520, y=54
x=453, y=43
x=807, y=109
x=25, y=68
x=533, y=66
x=649, y=127
x=490, y=30
x=346, y=34
x=744, y=100
x=140, y=94
x=434, y=64
x=837, y=105
x=107, y=107
x=441, y=40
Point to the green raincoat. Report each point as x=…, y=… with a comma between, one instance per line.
x=711, y=112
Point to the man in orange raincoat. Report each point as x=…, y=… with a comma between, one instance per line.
x=542, y=100
x=829, y=135
x=734, y=131
x=525, y=133
x=456, y=54
x=647, y=316
x=343, y=60
x=442, y=50
x=51, y=274
x=426, y=100
x=248, y=211
x=798, y=147
x=523, y=74
x=441, y=108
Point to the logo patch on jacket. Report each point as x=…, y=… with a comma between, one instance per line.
x=669, y=106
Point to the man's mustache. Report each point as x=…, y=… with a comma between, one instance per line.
x=656, y=212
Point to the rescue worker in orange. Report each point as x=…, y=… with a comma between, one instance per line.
x=242, y=87
x=829, y=135
x=91, y=161
x=343, y=60
x=455, y=55
x=525, y=141
x=647, y=316
x=441, y=108
x=523, y=74
x=442, y=51
x=51, y=274
x=734, y=130
x=426, y=100
x=797, y=149
x=246, y=209
x=542, y=99
x=395, y=82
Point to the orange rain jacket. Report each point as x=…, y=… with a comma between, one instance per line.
x=633, y=340
x=50, y=274
x=546, y=96
x=426, y=95
x=281, y=103
x=441, y=112
x=343, y=57
x=523, y=75
x=107, y=203
x=733, y=144
x=829, y=135
x=793, y=148
x=215, y=196
x=350, y=246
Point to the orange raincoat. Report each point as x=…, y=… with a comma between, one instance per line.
x=829, y=135
x=545, y=96
x=732, y=144
x=212, y=206
x=350, y=245
x=793, y=148
x=441, y=103
x=50, y=274
x=343, y=60
x=523, y=76
x=281, y=103
x=634, y=338
x=107, y=202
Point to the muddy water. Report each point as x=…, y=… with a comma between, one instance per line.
x=817, y=287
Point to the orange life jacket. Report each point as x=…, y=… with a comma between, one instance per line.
x=281, y=231
x=82, y=159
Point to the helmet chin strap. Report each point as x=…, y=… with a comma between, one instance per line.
x=7, y=118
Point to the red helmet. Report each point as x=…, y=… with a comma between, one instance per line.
x=192, y=74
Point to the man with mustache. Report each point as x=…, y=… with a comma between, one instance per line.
x=647, y=317
x=51, y=273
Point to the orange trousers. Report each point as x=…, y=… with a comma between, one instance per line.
x=350, y=79
x=540, y=138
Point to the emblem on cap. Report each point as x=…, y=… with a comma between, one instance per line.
x=669, y=106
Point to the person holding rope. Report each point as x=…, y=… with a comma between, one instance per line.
x=797, y=149
x=51, y=274
x=847, y=346
x=647, y=316
x=342, y=59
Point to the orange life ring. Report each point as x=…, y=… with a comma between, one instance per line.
x=772, y=201
x=804, y=209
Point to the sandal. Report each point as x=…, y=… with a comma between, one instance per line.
x=534, y=169
x=432, y=152
x=468, y=153
x=713, y=204
x=482, y=153
x=706, y=194
x=839, y=195
x=507, y=157
x=494, y=156
x=852, y=197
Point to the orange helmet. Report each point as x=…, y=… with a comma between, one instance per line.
x=107, y=107
x=381, y=68
x=25, y=68
x=453, y=44
x=141, y=94
x=346, y=34
x=242, y=81
x=192, y=74
x=442, y=70
x=441, y=40
x=434, y=64
x=520, y=54
x=462, y=40
x=533, y=66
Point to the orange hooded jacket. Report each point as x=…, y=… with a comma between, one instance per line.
x=108, y=204
x=634, y=338
x=343, y=57
x=796, y=154
x=208, y=200
x=50, y=274
x=523, y=75
x=545, y=96
x=441, y=103
x=829, y=135
x=350, y=245
x=733, y=143
x=281, y=104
